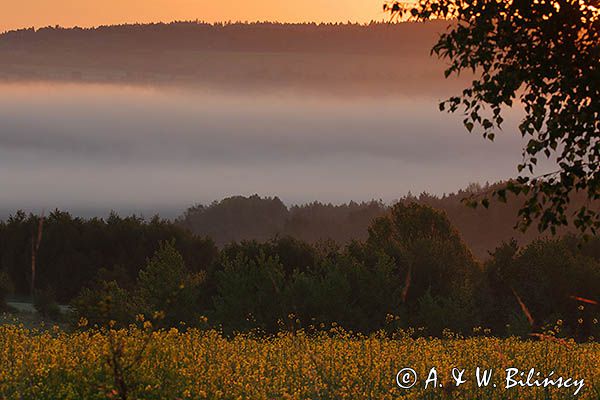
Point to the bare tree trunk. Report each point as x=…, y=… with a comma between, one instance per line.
x=32, y=264
x=35, y=246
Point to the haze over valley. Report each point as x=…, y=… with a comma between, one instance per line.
x=98, y=124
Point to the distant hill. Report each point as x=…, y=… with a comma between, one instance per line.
x=246, y=218
x=375, y=56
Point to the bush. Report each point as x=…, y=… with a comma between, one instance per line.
x=104, y=303
x=435, y=314
x=165, y=286
x=45, y=304
x=346, y=291
x=547, y=275
x=249, y=294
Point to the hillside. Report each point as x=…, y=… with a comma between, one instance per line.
x=369, y=57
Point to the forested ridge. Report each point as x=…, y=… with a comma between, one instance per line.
x=376, y=37
x=308, y=56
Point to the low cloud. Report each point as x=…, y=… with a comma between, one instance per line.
x=112, y=147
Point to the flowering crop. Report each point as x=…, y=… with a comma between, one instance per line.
x=170, y=364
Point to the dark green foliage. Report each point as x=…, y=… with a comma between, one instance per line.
x=362, y=286
x=256, y=293
x=428, y=252
x=545, y=55
x=102, y=303
x=167, y=287
x=166, y=291
x=517, y=325
x=357, y=287
x=45, y=304
x=325, y=296
x=546, y=275
x=249, y=294
x=293, y=254
x=346, y=291
x=6, y=288
x=75, y=252
x=285, y=283
x=437, y=313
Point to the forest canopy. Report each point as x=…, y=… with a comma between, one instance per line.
x=412, y=271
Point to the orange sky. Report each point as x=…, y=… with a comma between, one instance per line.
x=27, y=13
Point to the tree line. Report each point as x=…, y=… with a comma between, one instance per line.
x=350, y=58
x=74, y=251
x=372, y=38
x=411, y=272
x=261, y=218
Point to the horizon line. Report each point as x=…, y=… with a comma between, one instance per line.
x=217, y=23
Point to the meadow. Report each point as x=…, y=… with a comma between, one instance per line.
x=144, y=363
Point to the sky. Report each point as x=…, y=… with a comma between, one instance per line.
x=40, y=13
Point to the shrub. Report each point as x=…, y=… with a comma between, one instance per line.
x=249, y=294
x=547, y=275
x=45, y=304
x=105, y=302
x=436, y=314
x=346, y=291
x=166, y=286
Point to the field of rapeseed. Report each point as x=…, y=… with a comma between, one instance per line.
x=140, y=363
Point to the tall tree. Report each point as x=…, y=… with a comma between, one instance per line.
x=546, y=55
x=427, y=251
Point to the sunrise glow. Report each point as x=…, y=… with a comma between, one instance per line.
x=40, y=13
